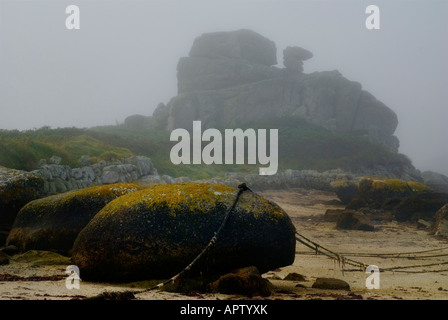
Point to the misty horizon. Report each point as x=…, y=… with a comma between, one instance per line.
x=123, y=59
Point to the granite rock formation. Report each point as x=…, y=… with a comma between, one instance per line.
x=230, y=78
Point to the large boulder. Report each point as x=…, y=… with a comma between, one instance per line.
x=373, y=192
x=156, y=232
x=421, y=206
x=52, y=223
x=17, y=188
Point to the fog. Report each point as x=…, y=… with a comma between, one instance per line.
x=123, y=59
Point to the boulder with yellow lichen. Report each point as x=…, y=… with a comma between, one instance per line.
x=375, y=192
x=52, y=223
x=156, y=232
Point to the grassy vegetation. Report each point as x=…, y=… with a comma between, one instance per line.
x=22, y=150
x=301, y=146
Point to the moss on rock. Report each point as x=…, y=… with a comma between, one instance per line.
x=154, y=233
x=52, y=223
x=42, y=258
x=374, y=192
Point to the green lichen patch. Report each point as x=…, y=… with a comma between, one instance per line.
x=375, y=191
x=42, y=258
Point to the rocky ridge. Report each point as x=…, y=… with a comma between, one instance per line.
x=230, y=78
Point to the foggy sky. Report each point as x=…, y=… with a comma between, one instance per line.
x=123, y=59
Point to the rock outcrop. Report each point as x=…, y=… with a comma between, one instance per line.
x=156, y=232
x=229, y=79
x=53, y=223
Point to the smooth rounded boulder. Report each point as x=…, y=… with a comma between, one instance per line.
x=156, y=232
x=53, y=223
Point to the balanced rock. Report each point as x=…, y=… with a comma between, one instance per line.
x=345, y=190
x=293, y=58
x=52, y=223
x=156, y=232
x=16, y=189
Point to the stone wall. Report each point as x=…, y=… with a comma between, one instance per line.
x=61, y=178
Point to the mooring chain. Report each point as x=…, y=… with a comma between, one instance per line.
x=341, y=259
x=242, y=187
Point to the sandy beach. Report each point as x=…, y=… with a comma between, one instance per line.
x=27, y=281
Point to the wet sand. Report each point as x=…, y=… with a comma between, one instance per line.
x=306, y=209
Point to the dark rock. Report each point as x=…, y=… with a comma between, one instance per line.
x=52, y=223
x=332, y=215
x=4, y=258
x=156, y=232
x=17, y=188
x=244, y=281
x=331, y=284
x=421, y=206
x=440, y=226
x=294, y=277
x=10, y=250
x=352, y=220
x=345, y=190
